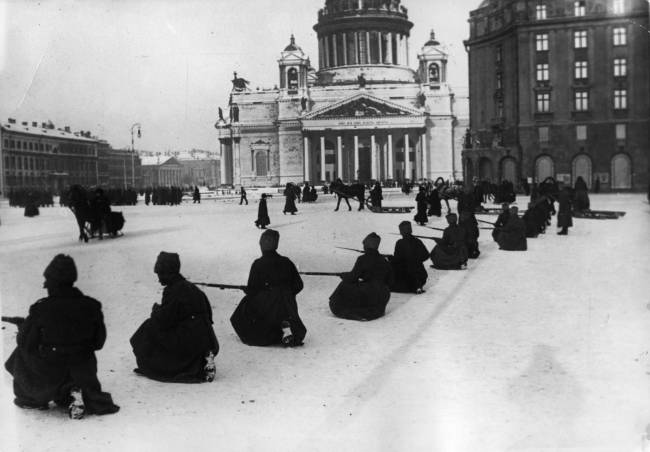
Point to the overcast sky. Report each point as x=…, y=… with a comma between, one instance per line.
x=102, y=65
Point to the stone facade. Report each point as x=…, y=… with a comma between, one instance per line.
x=559, y=89
x=357, y=117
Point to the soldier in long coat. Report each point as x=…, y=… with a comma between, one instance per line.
x=408, y=270
x=435, y=207
x=376, y=196
x=512, y=236
x=263, y=219
x=421, y=199
x=502, y=219
x=55, y=355
x=564, y=215
x=450, y=252
x=177, y=342
x=268, y=314
x=290, y=200
x=468, y=222
x=365, y=291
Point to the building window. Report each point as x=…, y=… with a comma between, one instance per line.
x=620, y=99
x=580, y=39
x=618, y=7
x=580, y=70
x=620, y=36
x=581, y=133
x=498, y=55
x=499, y=80
x=543, y=134
x=620, y=67
x=6, y=143
x=540, y=12
x=500, y=108
x=581, y=99
x=541, y=42
x=542, y=72
x=579, y=8
x=621, y=131
x=543, y=102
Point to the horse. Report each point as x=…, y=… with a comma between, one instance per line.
x=343, y=191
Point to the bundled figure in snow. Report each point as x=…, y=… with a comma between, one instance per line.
x=55, y=355
x=468, y=222
x=502, y=219
x=101, y=212
x=407, y=262
x=365, y=291
x=290, y=200
x=435, y=207
x=177, y=342
x=512, y=236
x=581, y=195
x=376, y=196
x=306, y=193
x=421, y=217
x=450, y=252
x=268, y=314
x=263, y=219
x=564, y=215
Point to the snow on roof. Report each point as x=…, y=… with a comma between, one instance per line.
x=49, y=133
x=157, y=160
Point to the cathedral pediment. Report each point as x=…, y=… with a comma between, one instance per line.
x=362, y=106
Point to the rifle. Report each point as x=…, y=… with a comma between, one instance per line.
x=486, y=222
x=419, y=236
x=435, y=229
x=220, y=286
x=320, y=274
x=361, y=251
x=15, y=320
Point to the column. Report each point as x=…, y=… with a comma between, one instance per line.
x=423, y=146
x=356, y=157
x=389, y=48
x=384, y=154
x=367, y=47
x=322, y=158
x=336, y=57
x=223, y=162
x=380, y=41
x=306, y=158
x=407, y=49
x=321, y=53
x=327, y=51
x=237, y=164
x=407, y=163
x=345, y=48
x=390, y=156
x=357, y=57
x=373, y=158
x=339, y=157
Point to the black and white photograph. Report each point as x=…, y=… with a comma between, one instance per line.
x=325, y=225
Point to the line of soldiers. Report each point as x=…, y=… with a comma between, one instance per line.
x=30, y=197
x=54, y=359
x=162, y=196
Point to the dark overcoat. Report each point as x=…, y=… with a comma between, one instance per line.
x=421, y=215
x=472, y=234
x=56, y=352
x=435, y=208
x=263, y=219
x=270, y=300
x=408, y=270
x=502, y=219
x=290, y=201
x=365, y=291
x=450, y=251
x=564, y=215
x=171, y=345
x=512, y=237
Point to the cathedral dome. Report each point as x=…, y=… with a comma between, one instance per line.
x=367, y=38
x=292, y=45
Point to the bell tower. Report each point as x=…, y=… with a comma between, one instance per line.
x=294, y=69
x=433, y=64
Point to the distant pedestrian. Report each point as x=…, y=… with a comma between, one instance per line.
x=263, y=219
x=290, y=200
x=197, y=195
x=243, y=198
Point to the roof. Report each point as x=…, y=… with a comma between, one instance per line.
x=44, y=132
x=156, y=160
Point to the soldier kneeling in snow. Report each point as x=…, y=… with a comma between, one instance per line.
x=410, y=253
x=177, y=342
x=450, y=252
x=55, y=357
x=268, y=314
x=365, y=291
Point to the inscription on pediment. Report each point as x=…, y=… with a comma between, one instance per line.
x=361, y=108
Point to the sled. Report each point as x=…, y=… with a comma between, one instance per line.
x=598, y=214
x=391, y=209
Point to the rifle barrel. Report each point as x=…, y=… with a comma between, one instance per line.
x=220, y=286
x=486, y=222
x=320, y=273
x=14, y=320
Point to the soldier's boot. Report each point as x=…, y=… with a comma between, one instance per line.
x=76, y=409
x=287, y=335
x=210, y=369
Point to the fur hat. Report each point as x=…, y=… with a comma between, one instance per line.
x=371, y=241
x=61, y=270
x=167, y=264
x=269, y=240
x=405, y=228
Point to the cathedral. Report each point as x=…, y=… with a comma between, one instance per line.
x=364, y=115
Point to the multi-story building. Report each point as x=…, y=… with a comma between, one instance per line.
x=364, y=115
x=559, y=88
x=200, y=168
x=161, y=171
x=40, y=156
x=119, y=168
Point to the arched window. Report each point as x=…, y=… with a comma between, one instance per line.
x=544, y=168
x=621, y=172
x=292, y=78
x=485, y=169
x=581, y=168
x=434, y=73
x=261, y=163
x=509, y=170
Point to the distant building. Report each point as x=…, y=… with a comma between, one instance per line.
x=161, y=171
x=118, y=168
x=200, y=168
x=559, y=89
x=40, y=156
x=364, y=115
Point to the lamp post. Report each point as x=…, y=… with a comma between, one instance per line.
x=137, y=124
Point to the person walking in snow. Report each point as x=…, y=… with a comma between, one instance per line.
x=243, y=197
x=262, y=214
x=54, y=359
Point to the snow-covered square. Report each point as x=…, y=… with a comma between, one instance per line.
x=544, y=350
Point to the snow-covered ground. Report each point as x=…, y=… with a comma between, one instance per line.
x=545, y=350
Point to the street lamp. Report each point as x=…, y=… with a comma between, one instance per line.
x=137, y=124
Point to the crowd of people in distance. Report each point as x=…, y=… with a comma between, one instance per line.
x=163, y=196
x=36, y=197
